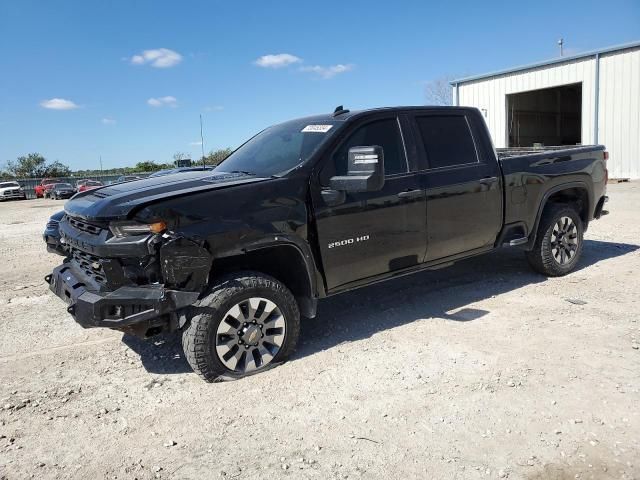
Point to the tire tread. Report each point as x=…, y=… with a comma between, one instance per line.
x=195, y=338
x=540, y=257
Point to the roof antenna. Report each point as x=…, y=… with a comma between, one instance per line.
x=339, y=111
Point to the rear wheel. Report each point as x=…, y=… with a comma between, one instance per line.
x=559, y=241
x=246, y=323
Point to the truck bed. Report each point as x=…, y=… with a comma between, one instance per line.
x=504, y=153
x=530, y=174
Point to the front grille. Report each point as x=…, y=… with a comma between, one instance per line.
x=84, y=226
x=89, y=264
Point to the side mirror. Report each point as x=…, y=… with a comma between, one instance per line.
x=365, y=172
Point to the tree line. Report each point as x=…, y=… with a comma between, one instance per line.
x=35, y=165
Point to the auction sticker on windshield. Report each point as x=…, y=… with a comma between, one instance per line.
x=317, y=128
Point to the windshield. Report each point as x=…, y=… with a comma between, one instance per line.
x=280, y=148
x=63, y=185
x=9, y=184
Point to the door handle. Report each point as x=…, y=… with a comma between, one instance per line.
x=410, y=194
x=488, y=180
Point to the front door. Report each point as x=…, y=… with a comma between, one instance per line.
x=371, y=233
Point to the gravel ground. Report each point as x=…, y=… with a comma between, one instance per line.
x=482, y=370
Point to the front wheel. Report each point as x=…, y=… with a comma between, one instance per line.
x=247, y=322
x=559, y=241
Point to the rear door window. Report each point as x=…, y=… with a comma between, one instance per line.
x=447, y=140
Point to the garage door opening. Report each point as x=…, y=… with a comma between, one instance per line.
x=551, y=116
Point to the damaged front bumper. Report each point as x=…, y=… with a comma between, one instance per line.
x=122, y=308
x=133, y=283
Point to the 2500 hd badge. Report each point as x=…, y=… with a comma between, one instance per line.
x=348, y=241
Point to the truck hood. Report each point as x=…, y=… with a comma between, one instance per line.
x=116, y=202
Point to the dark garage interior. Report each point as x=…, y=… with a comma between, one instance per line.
x=550, y=116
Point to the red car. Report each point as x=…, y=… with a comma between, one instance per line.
x=84, y=185
x=45, y=185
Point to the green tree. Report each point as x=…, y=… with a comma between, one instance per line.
x=150, y=166
x=32, y=165
x=35, y=165
x=56, y=169
x=217, y=156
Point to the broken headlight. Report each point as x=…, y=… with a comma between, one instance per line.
x=132, y=228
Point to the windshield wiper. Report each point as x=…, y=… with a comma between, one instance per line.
x=252, y=174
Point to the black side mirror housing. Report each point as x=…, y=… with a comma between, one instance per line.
x=365, y=172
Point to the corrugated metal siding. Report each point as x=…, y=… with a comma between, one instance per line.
x=619, y=105
x=490, y=94
x=619, y=115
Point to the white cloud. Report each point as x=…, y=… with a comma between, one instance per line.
x=159, y=58
x=195, y=144
x=163, y=101
x=328, y=72
x=108, y=121
x=277, y=61
x=58, y=104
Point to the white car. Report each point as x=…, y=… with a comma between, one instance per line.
x=9, y=190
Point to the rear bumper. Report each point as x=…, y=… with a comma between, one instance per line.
x=600, y=211
x=124, y=307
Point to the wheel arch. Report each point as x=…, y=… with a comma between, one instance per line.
x=577, y=193
x=285, y=262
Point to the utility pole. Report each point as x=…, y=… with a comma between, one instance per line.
x=101, y=173
x=561, y=44
x=202, y=143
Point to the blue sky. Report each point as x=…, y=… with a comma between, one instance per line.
x=225, y=60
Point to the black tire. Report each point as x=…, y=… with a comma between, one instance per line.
x=204, y=318
x=547, y=257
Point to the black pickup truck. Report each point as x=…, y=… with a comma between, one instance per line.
x=311, y=208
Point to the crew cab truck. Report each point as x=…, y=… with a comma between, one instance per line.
x=307, y=209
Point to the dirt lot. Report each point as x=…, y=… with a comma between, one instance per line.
x=483, y=370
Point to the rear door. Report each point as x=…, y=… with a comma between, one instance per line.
x=462, y=181
x=371, y=233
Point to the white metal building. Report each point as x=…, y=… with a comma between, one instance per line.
x=589, y=98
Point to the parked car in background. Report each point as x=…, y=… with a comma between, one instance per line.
x=61, y=190
x=171, y=171
x=44, y=184
x=51, y=234
x=80, y=183
x=10, y=190
x=88, y=185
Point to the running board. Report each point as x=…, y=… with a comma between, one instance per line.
x=518, y=241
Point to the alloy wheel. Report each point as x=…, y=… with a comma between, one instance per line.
x=564, y=240
x=250, y=335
